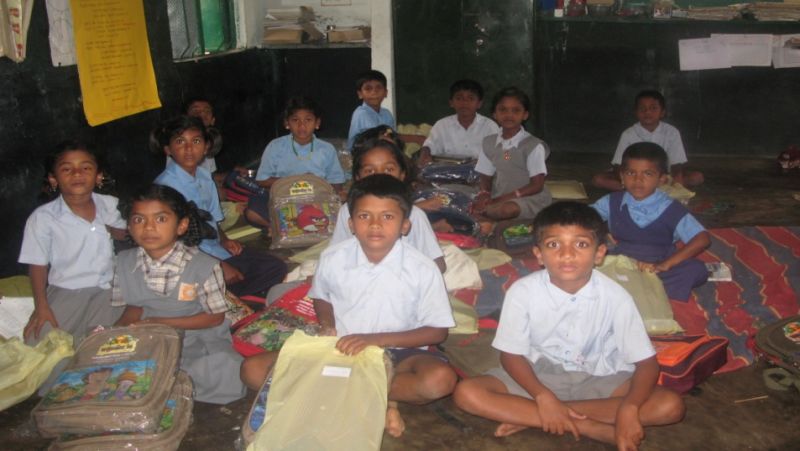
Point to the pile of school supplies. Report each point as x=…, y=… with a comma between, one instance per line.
x=320, y=398
x=715, y=12
x=122, y=389
x=774, y=11
x=290, y=26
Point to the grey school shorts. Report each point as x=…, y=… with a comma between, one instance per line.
x=566, y=385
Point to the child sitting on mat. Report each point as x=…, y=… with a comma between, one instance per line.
x=574, y=351
x=184, y=139
x=511, y=166
x=646, y=223
x=167, y=280
x=68, y=248
x=376, y=289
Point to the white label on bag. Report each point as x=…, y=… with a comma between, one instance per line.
x=622, y=277
x=336, y=371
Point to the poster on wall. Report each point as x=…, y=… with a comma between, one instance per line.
x=62, y=43
x=114, y=64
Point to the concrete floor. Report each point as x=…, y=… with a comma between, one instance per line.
x=738, y=192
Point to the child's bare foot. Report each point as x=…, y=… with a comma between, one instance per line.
x=394, y=422
x=506, y=429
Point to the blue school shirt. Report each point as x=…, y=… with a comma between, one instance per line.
x=364, y=118
x=80, y=253
x=645, y=211
x=201, y=190
x=279, y=160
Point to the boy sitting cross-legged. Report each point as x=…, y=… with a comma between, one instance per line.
x=574, y=352
x=375, y=289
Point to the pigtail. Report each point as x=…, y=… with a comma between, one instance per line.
x=199, y=228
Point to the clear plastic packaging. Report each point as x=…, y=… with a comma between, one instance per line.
x=117, y=381
x=303, y=211
x=438, y=173
x=175, y=419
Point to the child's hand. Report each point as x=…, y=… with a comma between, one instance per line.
x=481, y=201
x=653, y=267
x=232, y=246
x=432, y=204
x=556, y=416
x=424, y=160
x=353, y=344
x=628, y=430
x=38, y=320
x=230, y=273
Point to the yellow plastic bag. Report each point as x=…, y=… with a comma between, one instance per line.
x=24, y=368
x=647, y=291
x=322, y=399
x=465, y=316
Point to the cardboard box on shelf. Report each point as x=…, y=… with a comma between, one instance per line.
x=352, y=34
x=283, y=35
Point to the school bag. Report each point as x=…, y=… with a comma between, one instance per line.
x=779, y=344
x=687, y=360
x=268, y=329
x=302, y=210
x=175, y=419
x=438, y=173
x=117, y=381
x=255, y=417
x=455, y=208
x=322, y=399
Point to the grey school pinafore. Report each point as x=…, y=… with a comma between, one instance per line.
x=512, y=173
x=207, y=354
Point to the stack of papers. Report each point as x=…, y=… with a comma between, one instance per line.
x=287, y=25
x=715, y=12
x=775, y=11
x=719, y=272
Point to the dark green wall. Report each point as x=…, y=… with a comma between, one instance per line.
x=583, y=75
x=435, y=44
x=40, y=106
x=588, y=73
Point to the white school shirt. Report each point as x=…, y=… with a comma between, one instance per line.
x=597, y=330
x=664, y=135
x=80, y=253
x=420, y=236
x=449, y=139
x=402, y=292
x=535, y=162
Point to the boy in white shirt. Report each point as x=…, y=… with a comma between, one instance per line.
x=574, y=352
x=375, y=289
x=650, y=110
x=459, y=135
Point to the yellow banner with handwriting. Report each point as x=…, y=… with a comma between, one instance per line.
x=114, y=64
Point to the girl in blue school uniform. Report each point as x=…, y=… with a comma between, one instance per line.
x=68, y=248
x=185, y=141
x=646, y=223
x=167, y=280
x=299, y=152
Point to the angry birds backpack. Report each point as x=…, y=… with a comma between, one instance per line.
x=303, y=211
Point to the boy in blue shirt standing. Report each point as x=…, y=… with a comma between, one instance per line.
x=376, y=289
x=574, y=351
x=371, y=90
